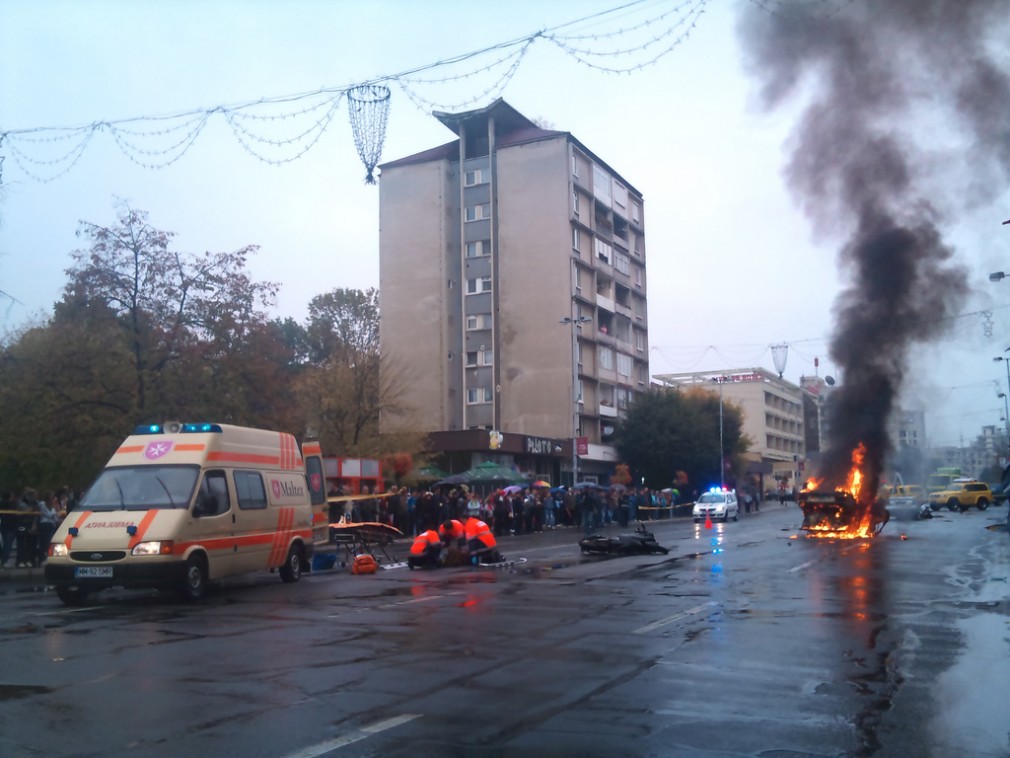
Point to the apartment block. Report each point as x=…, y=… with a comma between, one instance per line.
x=512, y=287
x=773, y=417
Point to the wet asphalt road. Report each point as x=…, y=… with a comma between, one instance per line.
x=745, y=640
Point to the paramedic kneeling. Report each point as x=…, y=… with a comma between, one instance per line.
x=480, y=541
x=425, y=550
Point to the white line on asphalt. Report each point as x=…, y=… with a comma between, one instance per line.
x=356, y=736
x=801, y=566
x=670, y=619
x=63, y=611
x=398, y=603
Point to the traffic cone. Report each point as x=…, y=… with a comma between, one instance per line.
x=708, y=521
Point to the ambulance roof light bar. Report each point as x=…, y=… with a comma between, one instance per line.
x=178, y=427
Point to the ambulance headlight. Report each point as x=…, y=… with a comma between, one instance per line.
x=58, y=550
x=164, y=547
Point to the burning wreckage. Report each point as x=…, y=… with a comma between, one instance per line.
x=845, y=510
x=837, y=513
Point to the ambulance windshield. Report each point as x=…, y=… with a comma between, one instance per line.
x=139, y=488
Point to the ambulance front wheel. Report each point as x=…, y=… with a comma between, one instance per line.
x=291, y=571
x=71, y=595
x=194, y=580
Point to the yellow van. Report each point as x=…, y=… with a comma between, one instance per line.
x=180, y=505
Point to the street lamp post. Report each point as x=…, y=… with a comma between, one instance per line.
x=1006, y=362
x=575, y=322
x=722, y=453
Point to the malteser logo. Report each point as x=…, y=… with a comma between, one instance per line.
x=286, y=489
x=156, y=450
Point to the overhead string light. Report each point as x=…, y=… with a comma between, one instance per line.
x=685, y=19
x=510, y=62
x=241, y=124
x=368, y=106
x=45, y=154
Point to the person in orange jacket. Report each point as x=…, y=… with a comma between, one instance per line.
x=426, y=550
x=452, y=533
x=480, y=541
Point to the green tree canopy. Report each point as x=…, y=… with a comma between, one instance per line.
x=667, y=430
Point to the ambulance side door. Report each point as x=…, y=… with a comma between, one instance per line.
x=212, y=523
x=255, y=521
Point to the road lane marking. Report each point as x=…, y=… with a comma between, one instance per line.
x=677, y=617
x=357, y=735
x=801, y=566
x=398, y=603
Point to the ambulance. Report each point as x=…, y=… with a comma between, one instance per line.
x=180, y=505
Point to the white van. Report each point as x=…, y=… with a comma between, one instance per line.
x=180, y=505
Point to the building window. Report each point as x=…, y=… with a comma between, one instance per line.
x=480, y=358
x=575, y=166
x=476, y=286
x=603, y=251
x=601, y=186
x=575, y=203
x=622, y=263
x=478, y=212
x=606, y=358
x=575, y=239
x=478, y=395
x=624, y=364
x=470, y=178
x=620, y=196
x=579, y=399
x=639, y=341
x=478, y=321
x=477, y=249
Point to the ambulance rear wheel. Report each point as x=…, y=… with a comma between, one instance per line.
x=194, y=580
x=71, y=595
x=291, y=571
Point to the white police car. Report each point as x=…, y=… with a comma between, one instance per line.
x=716, y=504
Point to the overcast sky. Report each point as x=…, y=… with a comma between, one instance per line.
x=733, y=266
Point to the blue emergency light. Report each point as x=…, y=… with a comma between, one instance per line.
x=175, y=427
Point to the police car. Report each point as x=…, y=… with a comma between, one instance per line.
x=718, y=504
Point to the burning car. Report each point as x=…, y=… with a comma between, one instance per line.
x=837, y=513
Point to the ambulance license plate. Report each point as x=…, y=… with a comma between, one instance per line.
x=93, y=572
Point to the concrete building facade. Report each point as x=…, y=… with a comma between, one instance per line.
x=513, y=295
x=773, y=417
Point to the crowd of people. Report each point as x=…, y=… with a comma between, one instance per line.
x=27, y=525
x=524, y=510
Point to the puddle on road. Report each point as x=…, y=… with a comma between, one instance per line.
x=18, y=691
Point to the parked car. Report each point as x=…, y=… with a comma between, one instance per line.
x=717, y=505
x=961, y=495
x=907, y=501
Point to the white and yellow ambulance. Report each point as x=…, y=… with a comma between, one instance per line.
x=180, y=505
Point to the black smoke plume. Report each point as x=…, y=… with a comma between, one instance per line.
x=906, y=121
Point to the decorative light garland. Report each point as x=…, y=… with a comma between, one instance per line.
x=369, y=112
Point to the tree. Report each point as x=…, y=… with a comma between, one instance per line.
x=342, y=391
x=668, y=431
x=163, y=300
x=142, y=334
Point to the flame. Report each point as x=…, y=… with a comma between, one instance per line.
x=864, y=525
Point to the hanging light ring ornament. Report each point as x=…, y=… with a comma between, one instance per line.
x=368, y=105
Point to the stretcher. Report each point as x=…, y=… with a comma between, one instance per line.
x=363, y=538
